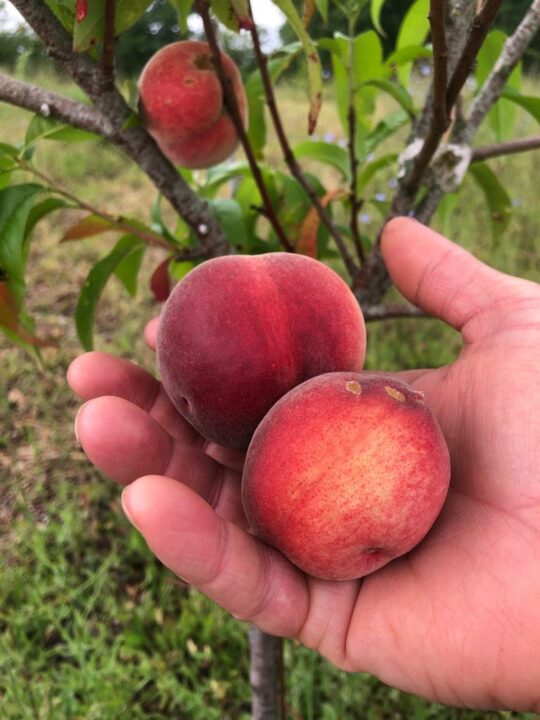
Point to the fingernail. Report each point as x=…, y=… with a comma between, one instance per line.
x=124, y=498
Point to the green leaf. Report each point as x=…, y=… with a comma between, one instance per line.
x=502, y=115
x=327, y=153
x=313, y=62
x=41, y=210
x=64, y=11
x=93, y=287
x=127, y=270
x=445, y=213
x=256, y=97
x=528, y=102
x=230, y=218
x=385, y=129
x=367, y=65
x=183, y=9
x=16, y=203
x=8, y=151
x=369, y=170
x=497, y=198
x=413, y=31
x=415, y=25
x=376, y=7
x=88, y=33
x=406, y=55
x=234, y=14
x=50, y=129
x=398, y=92
x=322, y=7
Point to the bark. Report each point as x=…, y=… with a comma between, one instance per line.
x=265, y=652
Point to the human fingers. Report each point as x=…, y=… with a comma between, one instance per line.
x=242, y=574
x=150, y=333
x=96, y=374
x=444, y=279
x=124, y=442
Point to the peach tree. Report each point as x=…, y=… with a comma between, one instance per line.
x=251, y=206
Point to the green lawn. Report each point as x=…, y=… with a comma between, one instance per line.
x=91, y=625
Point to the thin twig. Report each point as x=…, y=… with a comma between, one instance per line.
x=119, y=222
x=511, y=147
x=231, y=104
x=439, y=121
x=107, y=59
x=129, y=137
x=373, y=313
x=356, y=204
x=290, y=159
x=480, y=28
x=437, y=19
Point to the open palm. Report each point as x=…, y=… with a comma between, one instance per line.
x=458, y=619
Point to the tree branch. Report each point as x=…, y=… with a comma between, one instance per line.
x=437, y=19
x=480, y=28
x=231, y=104
x=290, y=159
x=134, y=141
x=511, y=54
x=49, y=104
x=107, y=59
x=506, y=148
x=372, y=313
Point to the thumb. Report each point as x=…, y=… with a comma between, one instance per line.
x=441, y=277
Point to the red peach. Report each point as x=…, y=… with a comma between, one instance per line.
x=181, y=102
x=238, y=332
x=345, y=473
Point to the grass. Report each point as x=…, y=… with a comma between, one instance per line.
x=91, y=625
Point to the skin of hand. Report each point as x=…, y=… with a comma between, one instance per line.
x=457, y=620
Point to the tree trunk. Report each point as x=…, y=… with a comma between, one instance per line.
x=265, y=653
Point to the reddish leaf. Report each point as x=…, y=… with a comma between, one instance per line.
x=87, y=227
x=307, y=240
x=9, y=318
x=160, y=282
x=81, y=10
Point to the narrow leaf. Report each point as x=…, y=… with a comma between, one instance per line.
x=497, y=198
x=327, y=153
x=91, y=292
x=15, y=204
x=41, y=128
x=395, y=91
x=10, y=320
x=307, y=238
x=529, y=103
x=127, y=270
x=183, y=9
x=312, y=59
x=369, y=171
x=376, y=7
x=234, y=14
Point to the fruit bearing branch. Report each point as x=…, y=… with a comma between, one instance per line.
x=232, y=106
x=289, y=157
x=134, y=141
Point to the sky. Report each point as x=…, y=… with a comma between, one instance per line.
x=265, y=12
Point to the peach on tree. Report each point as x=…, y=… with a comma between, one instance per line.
x=181, y=102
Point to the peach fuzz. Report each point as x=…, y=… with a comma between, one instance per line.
x=239, y=331
x=181, y=103
x=345, y=473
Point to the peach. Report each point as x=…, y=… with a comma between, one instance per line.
x=345, y=473
x=240, y=331
x=181, y=102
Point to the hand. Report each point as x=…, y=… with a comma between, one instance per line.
x=457, y=620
